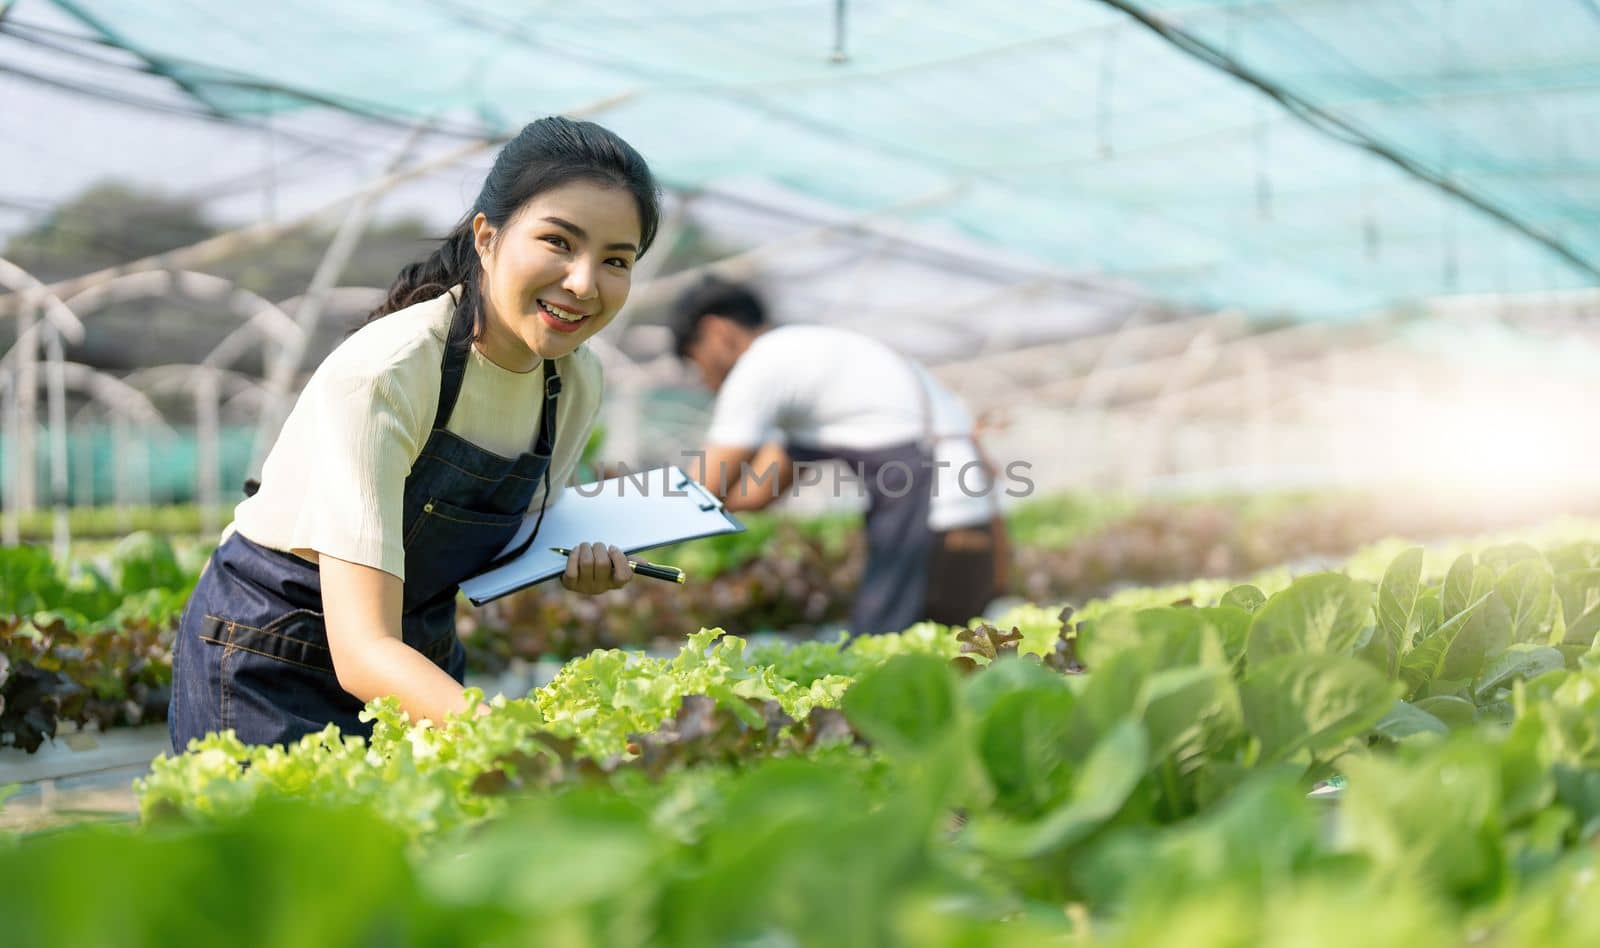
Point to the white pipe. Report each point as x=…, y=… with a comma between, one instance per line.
x=26, y=430
x=10, y=516
x=208, y=472
x=56, y=394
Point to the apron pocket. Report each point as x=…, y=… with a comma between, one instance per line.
x=446, y=544
x=441, y=519
x=297, y=637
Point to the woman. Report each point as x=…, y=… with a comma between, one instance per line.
x=414, y=452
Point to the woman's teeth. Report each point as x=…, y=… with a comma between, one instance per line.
x=560, y=314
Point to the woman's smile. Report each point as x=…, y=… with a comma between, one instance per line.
x=561, y=318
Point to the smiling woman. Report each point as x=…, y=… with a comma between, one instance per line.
x=550, y=281
x=414, y=452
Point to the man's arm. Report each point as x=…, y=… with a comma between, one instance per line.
x=746, y=478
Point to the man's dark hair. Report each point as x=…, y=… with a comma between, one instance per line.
x=713, y=296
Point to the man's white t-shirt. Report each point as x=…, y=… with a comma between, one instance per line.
x=825, y=388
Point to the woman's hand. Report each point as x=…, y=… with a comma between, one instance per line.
x=596, y=568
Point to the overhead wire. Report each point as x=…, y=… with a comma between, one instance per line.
x=85, y=48
x=163, y=66
x=107, y=94
x=1346, y=131
x=122, y=97
x=911, y=246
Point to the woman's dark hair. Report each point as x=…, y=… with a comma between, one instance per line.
x=714, y=296
x=547, y=154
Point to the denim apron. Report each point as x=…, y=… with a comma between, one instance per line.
x=252, y=651
x=899, y=486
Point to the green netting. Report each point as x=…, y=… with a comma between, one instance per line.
x=1069, y=132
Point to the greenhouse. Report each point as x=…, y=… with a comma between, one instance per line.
x=695, y=473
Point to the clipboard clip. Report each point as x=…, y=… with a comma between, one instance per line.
x=708, y=501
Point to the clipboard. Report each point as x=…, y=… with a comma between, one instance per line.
x=634, y=511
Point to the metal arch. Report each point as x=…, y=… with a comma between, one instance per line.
x=279, y=325
x=20, y=419
x=33, y=289
x=263, y=318
x=183, y=377
x=59, y=315
x=213, y=248
x=267, y=324
x=118, y=396
x=246, y=403
x=205, y=383
x=191, y=284
x=340, y=297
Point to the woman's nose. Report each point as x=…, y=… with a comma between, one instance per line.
x=580, y=280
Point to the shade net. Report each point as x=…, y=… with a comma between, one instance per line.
x=1316, y=158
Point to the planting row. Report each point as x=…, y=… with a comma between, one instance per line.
x=82, y=644
x=1118, y=776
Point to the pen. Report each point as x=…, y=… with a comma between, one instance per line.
x=652, y=570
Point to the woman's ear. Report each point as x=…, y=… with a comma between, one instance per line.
x=482, y=234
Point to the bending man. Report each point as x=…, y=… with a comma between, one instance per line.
x=795, y=394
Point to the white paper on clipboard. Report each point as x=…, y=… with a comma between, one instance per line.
x=634, y=511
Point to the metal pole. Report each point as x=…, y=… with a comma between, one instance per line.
x=27, y=378
x=10, y=528
x=145, y=492
x=56, y=394
x=121, y=468
x=208, y=469
x=839, y=55
x=83, y=466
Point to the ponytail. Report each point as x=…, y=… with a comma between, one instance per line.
x=455, y=262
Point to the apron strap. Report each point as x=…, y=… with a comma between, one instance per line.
x=545, y=445
x=453, y=366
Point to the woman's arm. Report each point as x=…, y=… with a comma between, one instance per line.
x=361, y=606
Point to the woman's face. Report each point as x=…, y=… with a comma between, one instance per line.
x=556, y=272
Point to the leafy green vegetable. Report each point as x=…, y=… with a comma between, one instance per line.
x=1311, y=706
x=1397, y=603
x=1100, y=789
x=1325, y=613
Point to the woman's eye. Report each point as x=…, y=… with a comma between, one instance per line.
x=618, y=262
x=557, y=241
